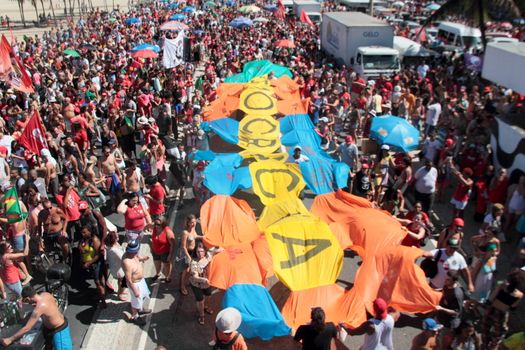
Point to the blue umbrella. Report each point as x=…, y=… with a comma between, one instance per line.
x=270, y=7
x=433, y=7
x=230, y=3
x=164, y=1
x=132, y=20
x=188, y=9
x=396, y=132
x=178, y=17
x=241, y=22
x=173, y=5
x=198, y=31
x=146, y=46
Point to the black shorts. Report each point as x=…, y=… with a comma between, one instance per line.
x=162, y=257
x=200, y=293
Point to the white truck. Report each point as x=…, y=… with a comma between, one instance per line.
x=361, y=41
x=312, y=9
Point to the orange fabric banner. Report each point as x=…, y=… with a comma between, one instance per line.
x=235, y=265
x=227, y=221
x=368, y=228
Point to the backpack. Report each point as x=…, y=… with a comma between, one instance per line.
x=430, y=265
x=224, y=346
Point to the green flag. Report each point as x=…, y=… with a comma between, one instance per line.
x=13, y=211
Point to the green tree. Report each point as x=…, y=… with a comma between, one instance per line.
x=479, y=12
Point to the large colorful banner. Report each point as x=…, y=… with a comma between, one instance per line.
x=303, y=248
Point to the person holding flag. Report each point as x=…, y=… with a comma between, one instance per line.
x=16, y=216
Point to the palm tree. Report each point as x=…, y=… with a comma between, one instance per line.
x=478, y=12
x=21, y=9
x=35, y=5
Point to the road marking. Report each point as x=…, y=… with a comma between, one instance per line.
x=153, y=299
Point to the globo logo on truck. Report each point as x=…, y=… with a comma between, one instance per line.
x=370, y=34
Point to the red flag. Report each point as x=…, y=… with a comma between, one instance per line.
x=305, y=19
x=280, y=13
x=32, y=137
x=5, y=60
x=17, y=76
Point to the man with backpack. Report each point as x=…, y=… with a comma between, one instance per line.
x=226, y=335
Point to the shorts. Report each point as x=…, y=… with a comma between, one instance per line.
x=162, y=257
x=18, y=243
x=134, y=235
x=200, y=292
x=59, y=337
x=15, y=288
x=458, y=205
x=138, y=303
x=97, y=270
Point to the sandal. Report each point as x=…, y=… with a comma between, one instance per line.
x=208, y=311
x=200, y=319
x=184, y=291
x=123, y=297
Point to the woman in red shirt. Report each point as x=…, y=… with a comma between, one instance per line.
x=136, y=217
x=462, y=193
x=162, y=248
x=9, y=270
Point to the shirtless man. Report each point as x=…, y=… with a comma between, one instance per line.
x=68, y=112
x=56, y=329
x=133, y=182
x=134, y=272
x=52, y=226
x=108, y=166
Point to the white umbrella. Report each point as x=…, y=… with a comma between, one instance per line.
x=398, y=4
x=261, y=20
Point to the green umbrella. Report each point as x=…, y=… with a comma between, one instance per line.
x=249, y=9
x=211, y=4
x=71, y=53
x=112, y=19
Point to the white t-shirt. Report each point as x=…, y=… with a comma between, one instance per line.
x=446, y=263
x=422, y=70
x=426, y=180
x=6, y=141
x=433, y=113
x=381, y=339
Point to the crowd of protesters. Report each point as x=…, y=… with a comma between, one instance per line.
x=120, y=132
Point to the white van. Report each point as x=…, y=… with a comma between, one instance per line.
x=460, y=35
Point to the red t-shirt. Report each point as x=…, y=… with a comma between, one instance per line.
x=134, y=218
x=71, y=207
x=157, y=192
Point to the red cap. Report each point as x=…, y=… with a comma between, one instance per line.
x=380, y=308
x=459, y=222
x=349, y=139
x=449, y=142
x=364, y=166
x=83, y=205
x=3, y=150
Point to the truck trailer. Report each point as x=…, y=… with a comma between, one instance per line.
x=361, y=41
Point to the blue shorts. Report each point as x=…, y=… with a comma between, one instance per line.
x=60, y=337
x=18, y=243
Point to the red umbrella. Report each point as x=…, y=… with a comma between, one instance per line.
x=285, y=43
x=145, y=54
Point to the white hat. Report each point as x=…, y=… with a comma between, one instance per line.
x=372, y=113
x=143, y=120
x=298, y=147
x=151, y=120
x=200, y=134
x=228, y=320
x=397, y=88
x=385, y=148
x=323, y=119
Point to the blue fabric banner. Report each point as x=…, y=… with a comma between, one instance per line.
x=260, y=316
